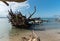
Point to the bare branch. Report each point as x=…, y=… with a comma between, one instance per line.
x=5, y=3
x=32, y=13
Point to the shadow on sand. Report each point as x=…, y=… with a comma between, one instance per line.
x=33, y=27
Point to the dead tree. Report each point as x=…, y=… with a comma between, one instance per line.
x=21, y=20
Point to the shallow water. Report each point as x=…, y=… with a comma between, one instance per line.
x=4, y=29
x=7, y=32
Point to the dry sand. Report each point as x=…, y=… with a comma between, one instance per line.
x=47, y=35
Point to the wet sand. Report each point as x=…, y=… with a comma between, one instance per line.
x=47, y=35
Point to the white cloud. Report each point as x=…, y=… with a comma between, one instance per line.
x=18, y=6
x=14, y=5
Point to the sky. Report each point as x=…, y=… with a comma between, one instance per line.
x=45, y=8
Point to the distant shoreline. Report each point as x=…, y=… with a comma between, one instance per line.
x=3, y=17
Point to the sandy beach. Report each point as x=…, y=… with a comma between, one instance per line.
x=47, y=35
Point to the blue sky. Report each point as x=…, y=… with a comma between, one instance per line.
x=45, y=8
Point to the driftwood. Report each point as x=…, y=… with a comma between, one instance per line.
x=19, y=19
x=5, y=3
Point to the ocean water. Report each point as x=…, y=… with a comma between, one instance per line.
x=6, y=29
x=51, y=24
